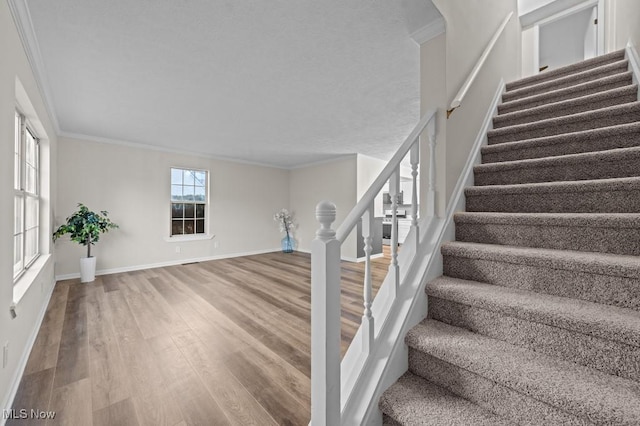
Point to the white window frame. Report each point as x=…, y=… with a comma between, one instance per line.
x=196, y=235
x=22, y=195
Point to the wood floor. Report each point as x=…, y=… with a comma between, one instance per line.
x=212, y=343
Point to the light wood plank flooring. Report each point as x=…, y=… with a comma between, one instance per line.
x=212, y=343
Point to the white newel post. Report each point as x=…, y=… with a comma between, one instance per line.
x=325, y=320
x=431, y=193
x=414, y=158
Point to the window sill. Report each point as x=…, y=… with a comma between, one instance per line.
x=187, y=238
x=29, y=276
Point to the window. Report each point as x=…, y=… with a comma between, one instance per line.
x=26, y=245
x=188, y=201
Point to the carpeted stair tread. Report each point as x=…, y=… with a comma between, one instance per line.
x=593, y=140
x=567, y=81
x=619, y=195
x=588, y=262
x=567, y=70
x=607, y=322
x=604, y=117
x=562, y=187
x=494, y=312
x=583, y=89
x=614, y=163
x=578, y=220
x=615, y=233
x=570, y=106
x=415, y=401
x=579, y=390
x=597, y=277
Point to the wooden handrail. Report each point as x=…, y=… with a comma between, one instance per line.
x=457, y=101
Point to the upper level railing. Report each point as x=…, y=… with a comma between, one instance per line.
x=457, y=100
x=325, y=271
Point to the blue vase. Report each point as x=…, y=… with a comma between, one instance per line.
x=287, y=244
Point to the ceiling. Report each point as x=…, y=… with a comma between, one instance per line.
x=281, y=82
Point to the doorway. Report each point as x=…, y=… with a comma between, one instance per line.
x=562, y=39
x=567, y=40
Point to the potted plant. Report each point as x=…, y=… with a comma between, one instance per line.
x=285, y=221
x=85, y=227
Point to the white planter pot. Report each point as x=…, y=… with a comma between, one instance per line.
x=87, y=269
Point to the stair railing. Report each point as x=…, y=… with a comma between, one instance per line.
x=325, y=271
x=457, y=100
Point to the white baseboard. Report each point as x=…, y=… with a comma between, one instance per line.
x=24, y=358
x=362, y=259
x=350, y=259
x=168, y=263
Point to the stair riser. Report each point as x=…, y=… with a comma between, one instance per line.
x=609, y=290
x=597, y=168
x=388, y=421
x=624, y=241
x=503, y=401
x=501, y=121
x=561, y=84
x=575, y=146
x=622, y=80
x=611, y=357
x=544, y=129
x=573, y=69
x=622, y=201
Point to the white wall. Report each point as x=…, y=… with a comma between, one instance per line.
x=20, y=331
x=335, y=181
x=433, y=94
x=623, y=23
x=466, y=38
x=133, y=185
x=368, y=169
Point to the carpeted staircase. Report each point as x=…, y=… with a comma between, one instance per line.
x=536, y=319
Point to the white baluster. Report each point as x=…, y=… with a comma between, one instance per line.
x=325, y=320
x=394, y=192
x=431, y=193
x=414, y=158
x=367, y=318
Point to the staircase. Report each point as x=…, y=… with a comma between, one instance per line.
x=536, y=319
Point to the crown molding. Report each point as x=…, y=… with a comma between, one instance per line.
x=339, y=157
x=139, y=145
x=24, y=25
x=429, y=31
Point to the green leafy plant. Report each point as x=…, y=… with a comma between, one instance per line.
x=85, y=227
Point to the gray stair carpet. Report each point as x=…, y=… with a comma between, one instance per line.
x=536, y=319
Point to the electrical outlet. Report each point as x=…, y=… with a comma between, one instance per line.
x=216, y=244
x=5, y=354
x=177, y=249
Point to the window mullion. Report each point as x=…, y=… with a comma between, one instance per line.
x=23, y=198
x=23, y=152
